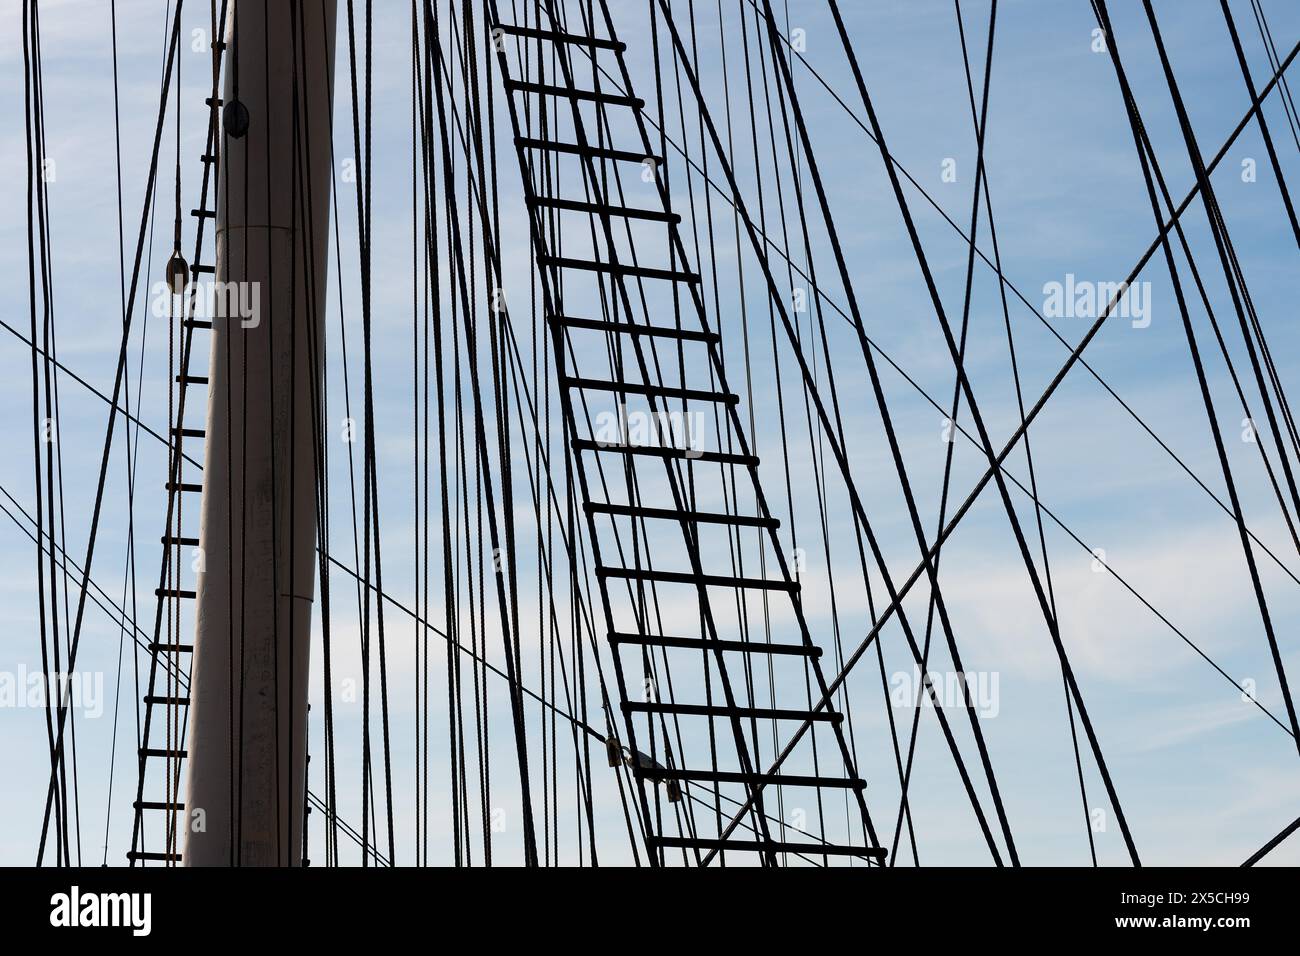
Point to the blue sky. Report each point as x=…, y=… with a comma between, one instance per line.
x=1205, y=778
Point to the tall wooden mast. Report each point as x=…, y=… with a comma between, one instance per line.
x=248, y=718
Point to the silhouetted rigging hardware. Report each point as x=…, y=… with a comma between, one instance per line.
x=234, y=118
x=178, y=273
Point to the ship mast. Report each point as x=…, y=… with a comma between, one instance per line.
x=248, y=718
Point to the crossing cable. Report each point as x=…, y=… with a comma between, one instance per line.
x=979, y=119
x=317, y=385
x=895, y=449
x=490, y=238
x=549, y=705
x=818, y=445
x=1208, y=198
x=896, y=601
x=559, y=347
x=643, y=811
x=112, y=416
x=985, y=440
x=859, y=510
x=521, y=388
x=1007, y=284
x=1251, y=113
x=370, y=496
x=1235, y=278
x=1075, y=356
x=782, y=430
x=1263, y=123
x=757, y=490
x=119, y=613
x=1239, y=293
x=99, y=596
x=819, y=466
x=688, y=480
x=1029, y=458
x=132, y=450
x=530, y=843
x=658, y=675
x=1110, y=570
x=738, y=433
x=510, y=366
x=1288, y=102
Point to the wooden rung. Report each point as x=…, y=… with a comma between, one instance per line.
x=552, y=36
x=702, y=517
x=752, y=779
x=654, y=451
x=708, y=644
x=636, y=272
x=719, y=710
x=636, y=328
x=171, y=647
x=769, y=846
x=149, y=855
x=590, y=96
x=661, y=391
x=604, y=209
x=577, y=149
x=689, y=577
